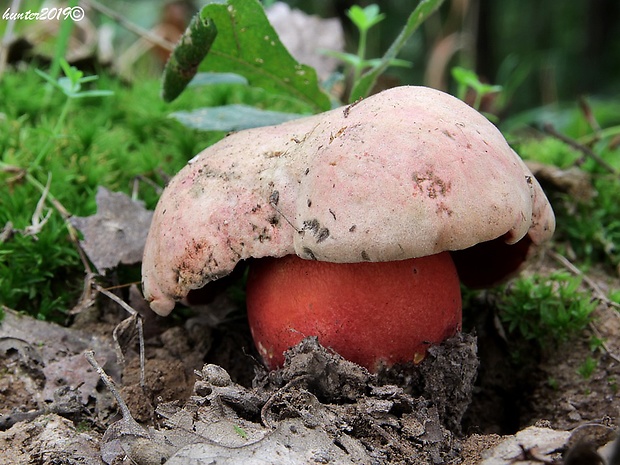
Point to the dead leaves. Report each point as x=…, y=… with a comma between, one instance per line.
x=117, y=233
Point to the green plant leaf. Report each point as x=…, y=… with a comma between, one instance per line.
x=231, y=118
x=206, y=79
x=424, y=9
x=53, y=82
x=354, y=60
x=71, y=83
x=72, y=73
x=240, y=431
x=365, y=18
x=247, y=44
x=468, y=78
x=93, y=93
x=350, y=59
x=68, y=86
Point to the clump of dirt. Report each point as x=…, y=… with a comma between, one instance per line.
x=455, y=407
x=322, y=403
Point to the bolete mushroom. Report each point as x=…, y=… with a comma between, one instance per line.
x=384, y=201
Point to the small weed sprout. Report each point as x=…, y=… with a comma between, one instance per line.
x=363, y=19
x=468, y=79
x=553, y=383
x=71, y=86
x=586, y=369
x=547, y=309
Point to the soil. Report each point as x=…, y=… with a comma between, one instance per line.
x=204, y=397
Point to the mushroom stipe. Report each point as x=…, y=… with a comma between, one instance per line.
x=373, y=314
x=407, y=173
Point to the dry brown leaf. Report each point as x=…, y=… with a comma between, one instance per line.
x=116, y=233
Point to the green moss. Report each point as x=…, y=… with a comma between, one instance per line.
x=545, y=309
x=104, y=141
x=550, y=151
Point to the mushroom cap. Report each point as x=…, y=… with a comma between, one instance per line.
x=405, y=173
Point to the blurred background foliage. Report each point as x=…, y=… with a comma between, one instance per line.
x=545, y=52
x=542, y=53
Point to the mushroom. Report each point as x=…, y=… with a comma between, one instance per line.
x=394, y=192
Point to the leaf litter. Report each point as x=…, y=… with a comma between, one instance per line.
x=319, y=408
x=117, y=233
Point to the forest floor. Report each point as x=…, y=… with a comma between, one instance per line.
x=202, y=395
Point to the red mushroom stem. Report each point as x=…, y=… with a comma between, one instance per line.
x=375, y=314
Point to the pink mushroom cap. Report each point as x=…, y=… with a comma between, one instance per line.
x=406, y=173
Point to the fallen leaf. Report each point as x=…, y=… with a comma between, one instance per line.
x=50, y=358
x=572, y=181
x=117, y=233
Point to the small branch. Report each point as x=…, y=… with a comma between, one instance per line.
x=531, y=454
x=158, y=189
x=90, y=356
x=586, y=109
x=38, y=220
x=275, y=395
x=605, y=346
x=138, y=30
x=549, y=129
x=142, y=353
x=88, y=296
x=599, y=294
x=116, y=299
x=22, y=173
x=139, y=326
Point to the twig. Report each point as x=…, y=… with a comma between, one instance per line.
x=158, y=189
x=586, y=109
x=88, y=296
x=531, y=454
x=7, y=232
x=90, y=356
x=138, y=30
x=142, y=352
x=57, y=205
x=38, y=220
x=139, y=327
x=131, y=426
x=65, y=215
x=605, y=346
x=549, y=129
x=275, y=395
x=115, y=298
x=599, y=294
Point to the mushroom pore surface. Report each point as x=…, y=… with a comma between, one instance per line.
x=408, y=172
